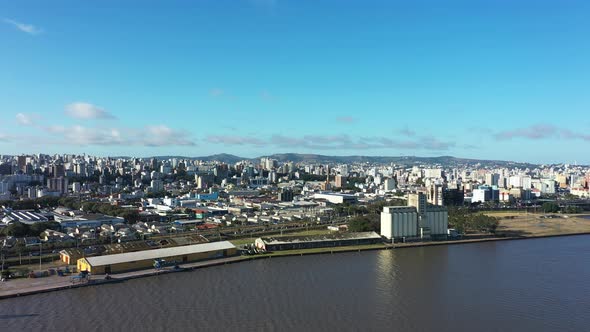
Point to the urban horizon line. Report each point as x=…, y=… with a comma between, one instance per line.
x=211, y=157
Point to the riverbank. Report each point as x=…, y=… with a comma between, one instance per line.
x=23, y=287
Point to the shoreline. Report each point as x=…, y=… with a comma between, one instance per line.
x=32, y=288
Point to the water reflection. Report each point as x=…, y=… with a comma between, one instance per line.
x=531, y=285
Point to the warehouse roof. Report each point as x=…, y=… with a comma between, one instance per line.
x=158, y=253
x=27, y=217
x=321, y=238
x=188, y=222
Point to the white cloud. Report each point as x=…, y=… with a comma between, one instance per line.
x=80, y=135
x=234, y=140
x=541, y=131
x=333, y=142
x=162, y=135
x=85, y=111
x=27, y=119
x=345, y=119
x=216, y=92
x=28, y=28
x=5, y=138
x=159, y=135
x=407, y=132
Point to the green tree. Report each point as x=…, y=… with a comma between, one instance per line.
x=37, y=228
x=572, y=209
x=16, y=229
x=131, y=216
x=550, y=207
x=464, y=221
x=364, y=223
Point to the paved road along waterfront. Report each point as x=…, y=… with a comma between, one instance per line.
x=538, y=284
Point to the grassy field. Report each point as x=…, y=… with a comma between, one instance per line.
x=534, y=224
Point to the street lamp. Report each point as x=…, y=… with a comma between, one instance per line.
x=40, y=253
x=2, y=255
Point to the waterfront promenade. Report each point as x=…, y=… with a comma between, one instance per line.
x=27, y=286
x=22, y=287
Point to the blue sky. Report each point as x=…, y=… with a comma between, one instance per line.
x=493, y=79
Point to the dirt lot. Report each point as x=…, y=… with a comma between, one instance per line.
x=537, y=224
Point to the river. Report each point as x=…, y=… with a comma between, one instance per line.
x=526, y=285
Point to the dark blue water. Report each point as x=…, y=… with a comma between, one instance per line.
x=527, y=285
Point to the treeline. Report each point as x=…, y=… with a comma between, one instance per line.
x=159, y=194
x=368, y=218
x=552, y=207
x=465, y=221
x=131, y=216
x=365, y=223
x=314, y=177
x=18, y=229
x=32, y=204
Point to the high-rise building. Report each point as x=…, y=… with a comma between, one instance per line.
x=5, y=169
x=344, y=170
x=453, y=197
x=272, y=176
x=433, y=173
x=165, y=168
x=340, y=181
x=221, y=171
x=326, y=185
x=22, y=163
x=154, y=163
x=157, y=185
x=57, y=170
x=59, y=184
x=418, y=200
x=269, y=164
x=76, y=187
x=285, y=195
x=389, y=184
x=492, y=179
x=435, y=194
x=485, y=193
x=205, y=180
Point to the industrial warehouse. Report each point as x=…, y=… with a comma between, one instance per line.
x=415, y=221
x=320, y=241
x=145, y=259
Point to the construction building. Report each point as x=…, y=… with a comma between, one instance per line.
x=317, y=241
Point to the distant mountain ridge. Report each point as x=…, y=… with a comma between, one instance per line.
x=316, y=158
x=400, y=160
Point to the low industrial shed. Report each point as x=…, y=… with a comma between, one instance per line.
x=145, y=259
x=318, y=241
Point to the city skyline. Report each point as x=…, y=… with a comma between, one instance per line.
x=469, y=79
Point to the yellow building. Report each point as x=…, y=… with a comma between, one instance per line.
x=145, y=259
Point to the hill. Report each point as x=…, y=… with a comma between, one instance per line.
x=324, y=159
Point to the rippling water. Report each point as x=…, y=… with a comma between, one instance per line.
x=529, y=285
